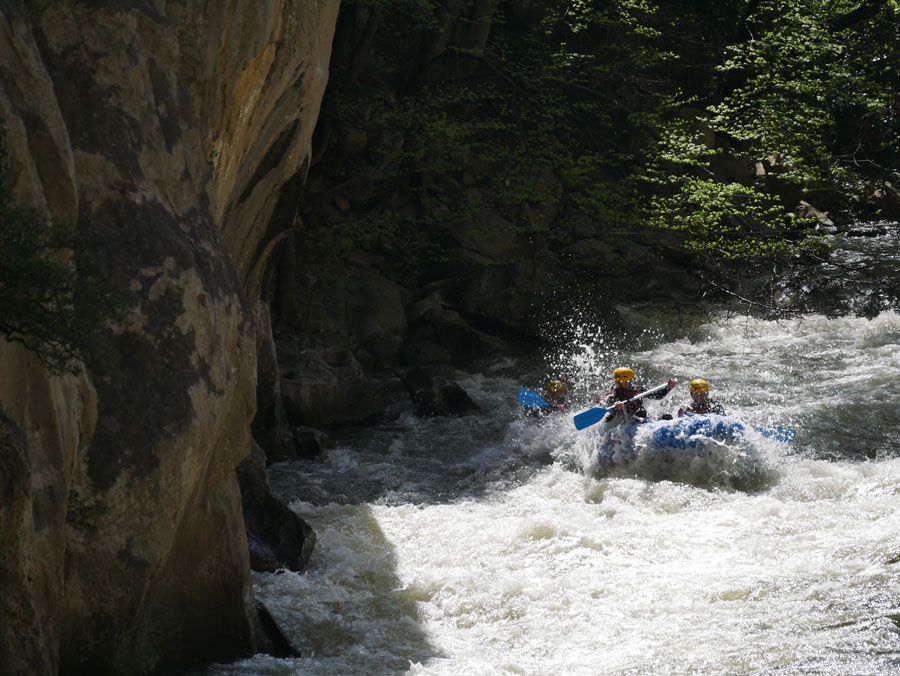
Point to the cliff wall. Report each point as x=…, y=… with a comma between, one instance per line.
x=178, y=134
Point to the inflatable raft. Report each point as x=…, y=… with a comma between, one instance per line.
x=705, y=450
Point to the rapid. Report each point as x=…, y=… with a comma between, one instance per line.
x=493, y=544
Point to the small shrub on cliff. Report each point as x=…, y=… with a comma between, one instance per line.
x=47, y=302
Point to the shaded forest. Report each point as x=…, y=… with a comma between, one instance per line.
x=552, y=153
x=726, y=140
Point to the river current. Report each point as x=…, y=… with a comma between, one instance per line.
x=494, y=544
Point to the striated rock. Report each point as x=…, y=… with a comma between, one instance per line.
x=270, y=426
x=260, y=83
x=23, y=641
x=178, y=136
x=354, y=307
x=324, y=386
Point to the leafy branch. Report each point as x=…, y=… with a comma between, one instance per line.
x=53, y=297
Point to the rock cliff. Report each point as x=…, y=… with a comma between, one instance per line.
x=178, y=134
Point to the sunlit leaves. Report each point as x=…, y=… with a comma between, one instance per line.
x=727, y=219
x=807, y=98
x=803, y=79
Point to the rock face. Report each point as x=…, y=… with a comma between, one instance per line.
x=277, y=537
x=178, y=135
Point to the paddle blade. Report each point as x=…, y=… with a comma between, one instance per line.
x=590, y=417
x=783, y=434
x=531, y=399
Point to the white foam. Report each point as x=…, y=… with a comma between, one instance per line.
x=562, y=571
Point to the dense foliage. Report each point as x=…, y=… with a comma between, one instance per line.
x=45, y=302
x=696, y=126
x=809, y=98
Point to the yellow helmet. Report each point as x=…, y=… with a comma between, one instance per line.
x=620, y=375
x=557, y=386
x=699, y=385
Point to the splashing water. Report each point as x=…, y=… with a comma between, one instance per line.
x=493, y=545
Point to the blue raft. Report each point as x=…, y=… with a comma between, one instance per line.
x=709, y=450
x=690, y=431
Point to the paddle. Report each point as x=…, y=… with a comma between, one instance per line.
x=595, y=415
x=531, y=399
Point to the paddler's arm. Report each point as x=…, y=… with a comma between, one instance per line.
x=659, y=395
x=616, y=409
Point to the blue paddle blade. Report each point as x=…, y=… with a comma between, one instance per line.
x=783, y=434
x=531, y=399
x=589, y=417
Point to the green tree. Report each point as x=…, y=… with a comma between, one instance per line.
x=615, y=120
x=818, y=91
x=807, y=94
x=46, y=302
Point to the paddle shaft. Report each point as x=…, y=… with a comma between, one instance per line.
x=595, y=415
x=652, y=390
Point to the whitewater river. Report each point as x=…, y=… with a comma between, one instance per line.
x=493, y=544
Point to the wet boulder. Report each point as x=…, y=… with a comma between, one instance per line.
x=352, y=306
x=806, y=210
x=446, y=399
x=438, y=330
x=277, y=538
x=324, y=386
